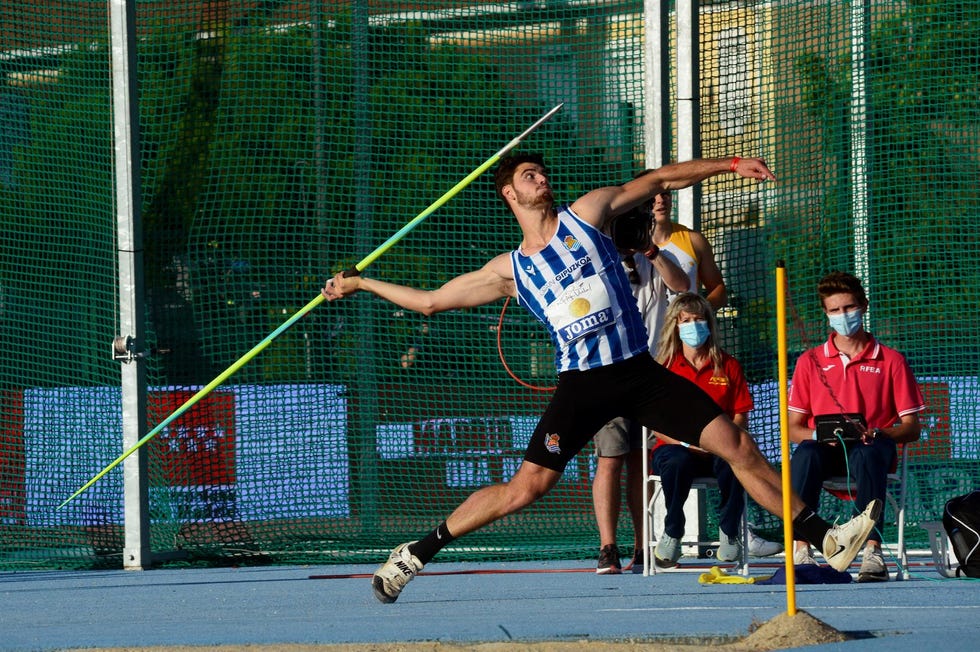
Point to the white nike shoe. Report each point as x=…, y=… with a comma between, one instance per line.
x=842, y=543
x=394, y=574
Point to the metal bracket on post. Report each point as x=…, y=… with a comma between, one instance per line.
x=123, y=349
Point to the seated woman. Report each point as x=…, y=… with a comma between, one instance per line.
x=688, y=347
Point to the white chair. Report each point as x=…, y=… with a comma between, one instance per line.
x=842, y=487
x=653, y=505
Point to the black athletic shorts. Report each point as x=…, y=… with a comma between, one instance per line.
x=638, y=388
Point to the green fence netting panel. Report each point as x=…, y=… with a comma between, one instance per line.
x=282, y=142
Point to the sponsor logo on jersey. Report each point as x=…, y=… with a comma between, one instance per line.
x=587, y=324
x=564, y=274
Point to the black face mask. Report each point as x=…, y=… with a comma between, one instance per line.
x=631, y=230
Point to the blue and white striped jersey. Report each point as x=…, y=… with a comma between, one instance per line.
x=576, y=286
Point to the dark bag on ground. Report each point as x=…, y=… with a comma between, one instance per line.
x=961, y=520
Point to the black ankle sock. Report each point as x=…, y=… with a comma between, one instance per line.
x=808, y=525
x=427, y=547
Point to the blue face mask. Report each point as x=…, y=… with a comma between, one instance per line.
x=693, y=333
x=847, y=323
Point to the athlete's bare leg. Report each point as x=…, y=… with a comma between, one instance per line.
x=754, y=472
x=488, y=504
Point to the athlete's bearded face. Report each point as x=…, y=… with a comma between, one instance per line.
x=531, y=186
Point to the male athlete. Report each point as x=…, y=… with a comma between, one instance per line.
x=567, y=272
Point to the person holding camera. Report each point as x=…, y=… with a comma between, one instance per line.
x=870, y=391
x=689, y=250
x=619, y=443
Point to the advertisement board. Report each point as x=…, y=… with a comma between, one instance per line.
x=240, y=453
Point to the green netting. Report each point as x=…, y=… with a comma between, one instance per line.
x=282, y=142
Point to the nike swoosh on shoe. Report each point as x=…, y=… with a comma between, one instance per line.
x=840, y=549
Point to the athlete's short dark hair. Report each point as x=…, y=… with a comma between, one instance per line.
x=503, y=175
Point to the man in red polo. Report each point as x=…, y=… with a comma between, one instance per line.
x=848, y=375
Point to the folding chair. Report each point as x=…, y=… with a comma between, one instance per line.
x=942, y=553
x=842, y=487
x=652, y=494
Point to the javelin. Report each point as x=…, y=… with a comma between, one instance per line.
x=359, y=267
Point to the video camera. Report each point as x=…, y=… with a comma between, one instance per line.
x=630, y=231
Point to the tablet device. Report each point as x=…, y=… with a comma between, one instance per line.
x=836, y=427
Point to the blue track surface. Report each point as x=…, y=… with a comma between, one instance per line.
x=52, y=610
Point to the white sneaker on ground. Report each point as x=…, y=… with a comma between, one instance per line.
x=394, y=574
x=667, y=552
x=873, y=567
x=842, y=543
x=804, y=556
x=729, y=548
x=759, y=547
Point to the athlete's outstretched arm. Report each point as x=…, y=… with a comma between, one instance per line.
x=491, y=282
x=597, y=206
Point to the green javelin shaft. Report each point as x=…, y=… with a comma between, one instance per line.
x=367, y=260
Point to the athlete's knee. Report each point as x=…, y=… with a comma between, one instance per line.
x=520, y=496
x=720, y=436
x=530, y=483
x=731, y=443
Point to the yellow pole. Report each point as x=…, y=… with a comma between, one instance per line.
x=784, y=436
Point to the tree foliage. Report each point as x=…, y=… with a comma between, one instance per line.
x=922, y=151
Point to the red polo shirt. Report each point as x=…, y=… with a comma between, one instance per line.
x=877, y=383
x=729, y=389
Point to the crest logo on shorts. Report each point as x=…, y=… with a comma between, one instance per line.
x=551, y=443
